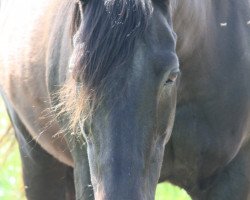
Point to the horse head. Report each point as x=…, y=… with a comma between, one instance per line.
x=126, y=70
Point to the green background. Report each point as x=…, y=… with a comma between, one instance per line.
x=11, y=186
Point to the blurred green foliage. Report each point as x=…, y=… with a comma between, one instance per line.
x=11, y=186
x=166, y=191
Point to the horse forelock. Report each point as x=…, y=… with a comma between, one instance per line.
x=105, y=35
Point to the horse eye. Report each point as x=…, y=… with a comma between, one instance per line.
x=172, y=77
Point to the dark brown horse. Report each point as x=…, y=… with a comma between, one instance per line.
x=94, y=92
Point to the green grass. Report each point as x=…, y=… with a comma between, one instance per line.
x=11, y=186
x=166, y=191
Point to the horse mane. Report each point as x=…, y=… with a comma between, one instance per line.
x=105, y=32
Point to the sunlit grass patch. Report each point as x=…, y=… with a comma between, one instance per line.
x=166, y=191
x=11, y=186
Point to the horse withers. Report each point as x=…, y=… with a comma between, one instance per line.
x=100, y=111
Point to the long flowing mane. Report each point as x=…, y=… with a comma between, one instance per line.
x=105, y=34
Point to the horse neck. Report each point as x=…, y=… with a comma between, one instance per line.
x=190, y=21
